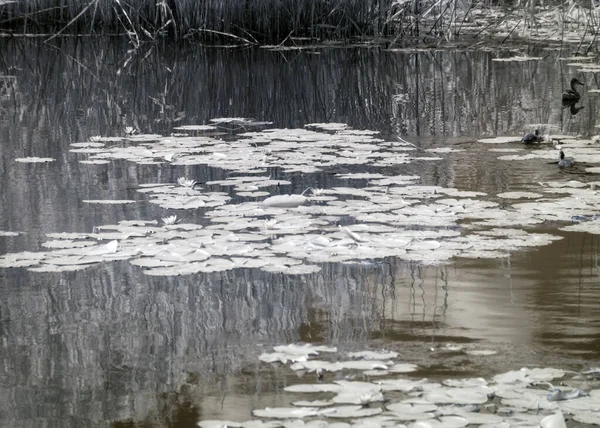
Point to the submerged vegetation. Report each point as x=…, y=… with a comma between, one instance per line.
x=293, y=23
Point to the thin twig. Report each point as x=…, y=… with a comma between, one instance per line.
x=511, y=31
x=233, y=36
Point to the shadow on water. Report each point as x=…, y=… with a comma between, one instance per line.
x=109, y=346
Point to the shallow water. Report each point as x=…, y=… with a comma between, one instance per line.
x=110, y=346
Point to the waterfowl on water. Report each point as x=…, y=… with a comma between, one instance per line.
x=532, y=138
x=572, y=94
x=565, y=162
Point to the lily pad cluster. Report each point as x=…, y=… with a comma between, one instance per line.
x=519, y=398
x=389, y=216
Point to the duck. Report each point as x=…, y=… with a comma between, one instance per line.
x=531, y=138
x=572, y=94
x=565, y=162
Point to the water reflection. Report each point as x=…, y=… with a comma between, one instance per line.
x=111, y=346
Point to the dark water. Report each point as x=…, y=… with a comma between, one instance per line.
x=109, y=346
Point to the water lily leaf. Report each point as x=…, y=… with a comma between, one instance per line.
x=406, y=385
x=286, y=412
x=57, y=268
x=109, y=201
x=481, y=352
x=462, y=383
x=519, y=195
x=470, y=395
x=358, y=397
x=411, y=412
x=34, y=160
x=474, y=417
x=328, y=126
x=313, y=365
x=65, y=243
x=518, y=59
x=575, y=406
x=556, y=420
x=285, y=201
x=365, y=365
x=403, y=368
x=454, y=421
x=587, y=417
x=219, y=424
x=444, y=150
x=528, y=376
x=350, y=412
x=373, y=355
x=500, y=140
x=195, y=128
x=87, y=144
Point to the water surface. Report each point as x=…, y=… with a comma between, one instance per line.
x=110, y=346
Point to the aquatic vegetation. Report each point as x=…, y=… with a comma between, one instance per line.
x=34, y=160
x=294, y=234
x=195, y=128
x=522, y=397
x=285, y=201
x=108, y=201
x=185, y=182
x=518, y=59
x=500, y=140
x=170, y=220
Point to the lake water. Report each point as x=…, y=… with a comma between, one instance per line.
x=111, y=346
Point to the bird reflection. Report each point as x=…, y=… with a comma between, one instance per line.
x=572, y=105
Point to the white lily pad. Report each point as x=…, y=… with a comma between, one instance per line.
x=500, y=140
x=286, y=412
x=481, y=352
x=519, y=195
x=285, y=201
x=470, y=395
x=518, y=59
x=108, y=201
x=351, y=412
x=373, y=355
x=34, y=160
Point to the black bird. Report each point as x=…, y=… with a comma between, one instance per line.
x=572, y=94
x=565, y=162
x=532, y=138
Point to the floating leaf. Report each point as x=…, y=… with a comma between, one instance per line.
x=34, y=160
x=500, y=140
x=108, y=201
x=286, y=412
x=373, y=355
x=556, y=420
x=285, y=201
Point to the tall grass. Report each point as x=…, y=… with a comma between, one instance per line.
x=265, y=21
x=288, y=22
